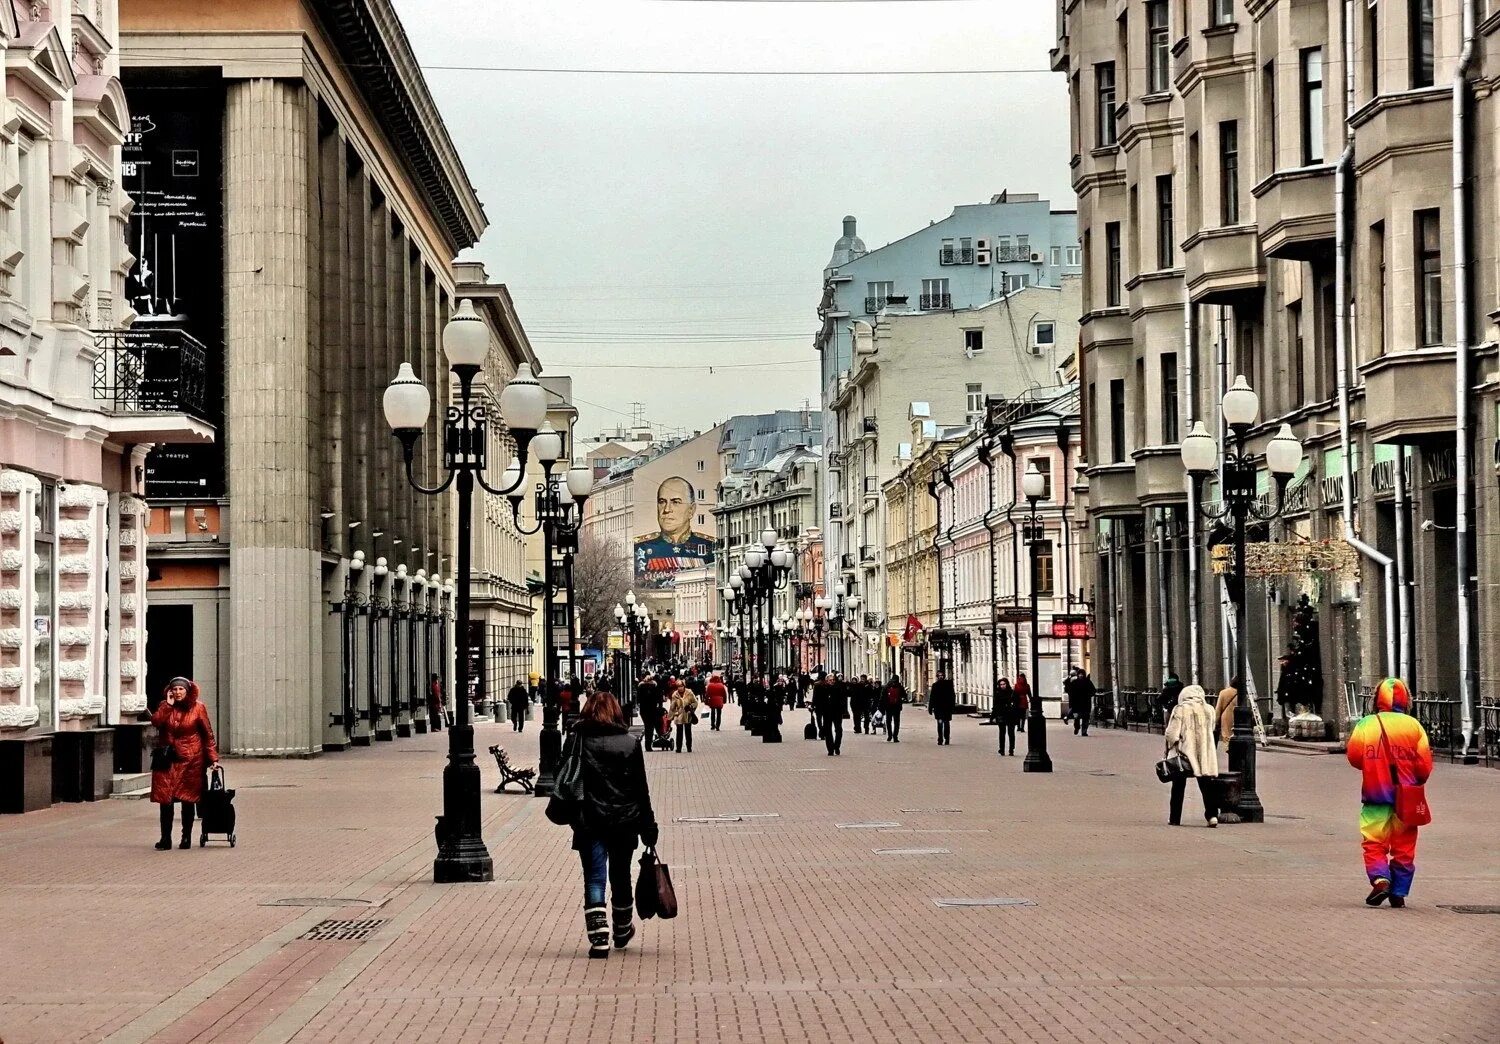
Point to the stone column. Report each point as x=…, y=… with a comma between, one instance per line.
x=274, y=603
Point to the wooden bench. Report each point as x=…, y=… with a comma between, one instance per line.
x=510, y=774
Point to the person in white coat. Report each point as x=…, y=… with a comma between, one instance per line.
x=1190, y=732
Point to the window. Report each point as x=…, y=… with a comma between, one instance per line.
x=1195, y=183
x=1104, y=90
x=973, y=341
x=1112, y=273
x=1002, y=249
x=935, y=294
x=1017, y=282
x=1165, y=238
x=1169, y=430
x=1428, y=237
x=1420, y=34
x=1372, y=46
x=1044, y=335
x=1116, y=421
x=1299, y=358
x=1158, y=47
x=1057, y=257
x=973, y=401
x=1023, y=248
x=1229, y=172
x=1377, y=265
x=1221, y=12
x=1312, y=105
x=1091, y=422
x=700, y=465
x=43, y=619
x=700, y=520
x=1044, y=568
x=1268, y=113
x=1075, y=257
x=877, y=294
x=701, y=496
x=1044, y=465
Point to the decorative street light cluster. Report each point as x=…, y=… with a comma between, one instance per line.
x=751, y=595
x=462, y=855
x=833, y=606
x=1034, y=532
x=1239, y=501
x=634, y=621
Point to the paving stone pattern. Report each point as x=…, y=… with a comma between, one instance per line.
x=792, y=929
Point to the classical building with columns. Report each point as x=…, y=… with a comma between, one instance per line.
x=81, y=400
x=325, y=263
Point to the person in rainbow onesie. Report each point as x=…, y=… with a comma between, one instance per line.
x=1390, y=736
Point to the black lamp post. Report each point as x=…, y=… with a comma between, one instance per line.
x=631, y=617
x=1239, y=502
x=558, y=502
x=1033, y=485
x=462, y=855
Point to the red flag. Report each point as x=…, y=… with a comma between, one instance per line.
x=913, y=628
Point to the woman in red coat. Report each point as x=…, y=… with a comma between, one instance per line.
x=715, y=695
x=182, y=727
x=1023, y=698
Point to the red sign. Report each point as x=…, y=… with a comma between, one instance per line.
x=1071, y=627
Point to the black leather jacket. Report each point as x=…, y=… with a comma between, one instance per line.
x=616, y=799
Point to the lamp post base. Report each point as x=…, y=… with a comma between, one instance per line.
x=548, y=756
x=1037, y=759
x=1242, y=763
x=461, y=856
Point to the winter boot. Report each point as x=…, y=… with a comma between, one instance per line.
x=596, y=921
x=624, y=930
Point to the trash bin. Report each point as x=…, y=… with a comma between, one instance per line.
x=25, y=773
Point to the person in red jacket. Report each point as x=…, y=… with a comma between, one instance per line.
x=715, y=695
x=1389, y=747
x=1023, y=697
x=183, y=729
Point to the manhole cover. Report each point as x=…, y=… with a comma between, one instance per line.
x=865, y=826
x=911, y=851
x=995, y=901
x=930, y=811
x=708, y=819
x=342, y=930
x=322, y=900
x=1472, y=909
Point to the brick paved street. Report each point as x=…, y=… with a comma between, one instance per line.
x=793, y=928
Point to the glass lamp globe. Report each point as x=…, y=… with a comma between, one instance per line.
x=546, y=445
x=839, y=590
x=630, y=598
x=754, y=558
x=1284, y=452
x=744, y=573
x=581, y=480
x=736, y=581
x=406, y=401
x=1240, y=404
x=466, y=340
x=1033, y=483
x=768, y=538
x=1199, y=451
x=510, y=478
x=523, y=402
x=781, y=558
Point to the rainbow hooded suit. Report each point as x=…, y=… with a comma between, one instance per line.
x=1390, y=845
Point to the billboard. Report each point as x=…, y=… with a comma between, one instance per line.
x=659, y=556
x=171, y=167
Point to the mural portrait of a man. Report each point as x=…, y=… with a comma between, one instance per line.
x=674, y=546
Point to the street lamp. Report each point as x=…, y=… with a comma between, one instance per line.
x=1200, y=453
x=1033, y=485
x=462, y=855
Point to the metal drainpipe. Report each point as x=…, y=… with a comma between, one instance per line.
x=1160, y=526
x=1221, y=369
x=1190, y=377
x=989, y=466
x=1066, y=525
x=1343, y=336
x=1403, y=587
x=1461, y=375
x=1117, y=611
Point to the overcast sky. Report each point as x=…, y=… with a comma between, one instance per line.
x=664, y=236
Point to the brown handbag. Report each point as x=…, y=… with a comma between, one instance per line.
x=660, y=884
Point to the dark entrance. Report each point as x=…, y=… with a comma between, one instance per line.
x=170, y=651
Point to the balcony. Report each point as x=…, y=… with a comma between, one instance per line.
x=956, y=256
x=1294, y=211
x=1409, y=393
x=154, y=384
x=835, y=511
x=1013, y=254
x=867, y=554
x=868, y=425
x=873, y=622
x=875, y=304
x=872, y=486
x=846, y=561
x=1224, y=265
x=934, y=301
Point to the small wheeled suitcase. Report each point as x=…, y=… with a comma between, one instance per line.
x=810, y=731
x=216, y=810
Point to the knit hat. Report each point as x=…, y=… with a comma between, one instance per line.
x=186, y=683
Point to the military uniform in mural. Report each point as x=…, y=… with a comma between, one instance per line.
x=675, y=546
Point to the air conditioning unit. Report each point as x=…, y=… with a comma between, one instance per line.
x=981, y=256
x=1036, y=257
x=981, y=244
x=1034, y=349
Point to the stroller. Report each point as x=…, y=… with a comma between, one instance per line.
x=216, y=809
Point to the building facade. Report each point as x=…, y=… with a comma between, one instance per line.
x=1267, y=189
x=314, y=255
x=84, y=393
x=909, y=588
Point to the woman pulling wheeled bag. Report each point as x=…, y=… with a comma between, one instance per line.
x=185, y=750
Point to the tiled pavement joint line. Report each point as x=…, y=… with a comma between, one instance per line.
x=307, y=1007
x=179, y=1004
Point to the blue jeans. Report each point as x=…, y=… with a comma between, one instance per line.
x=602, y=859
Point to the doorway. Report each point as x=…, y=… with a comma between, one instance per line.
x=169, y=653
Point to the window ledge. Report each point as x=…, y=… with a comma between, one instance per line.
x=1156, y=97
x=1227, y=29
x=1105, y=150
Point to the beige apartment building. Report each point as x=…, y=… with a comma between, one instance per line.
x=1266, y=188
x=910, y=581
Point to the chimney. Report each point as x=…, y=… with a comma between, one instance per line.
x=849, y=225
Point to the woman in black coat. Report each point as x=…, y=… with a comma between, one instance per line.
x=940, y=703
x=1006, y=713
x=614, y=816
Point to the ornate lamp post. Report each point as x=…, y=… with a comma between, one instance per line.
x=462, y=855
x=558, y=503
x=1034, y=530
x=1238, y=501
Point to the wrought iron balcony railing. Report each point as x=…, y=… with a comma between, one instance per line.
x=869, y=425
x=145, y=370
x=937, y=301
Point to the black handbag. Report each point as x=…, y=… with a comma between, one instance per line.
x=566, y=803
x=1174, y=767
x=163, y=758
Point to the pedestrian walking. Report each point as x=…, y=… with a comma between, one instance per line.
x=435, y=703
x=1006, y=712
x=941, y=700
x=716, y=694
x=859, y=704
x=1391, y=750
x=614, y=815
x=684, y=712
x=1080, y=692
x=1023, y=694
x=831, y=704
x=1190, y=732
x=517, y=699
x=185, y=751
x=1224, y=711
x=1171, y=688
x=895, y=697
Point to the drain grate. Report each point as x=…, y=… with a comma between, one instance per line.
x=993, y=901
x=708, y=819
x=322, y=900
x=865, y=826
x=911, y=851
x=752, y=815
x=930, y=811
x=1471, y=909
x=343, y=930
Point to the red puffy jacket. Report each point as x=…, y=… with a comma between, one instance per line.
x=716, y=694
